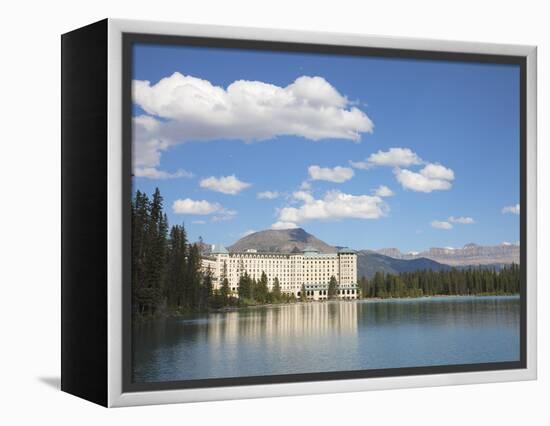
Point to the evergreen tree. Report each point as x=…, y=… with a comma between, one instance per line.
x=378, y=284
x=276, y=291
x=166, y=270
x=193, y=278
x=261, y=293
x=225, y=291
x=253, y=288
x=140, y=223
x=364, y=287
x=332, y=287
x=207, y=290
x=303, y=296
x=477, y=281
x=176, y=267
x=244, y=287
x=149, y=245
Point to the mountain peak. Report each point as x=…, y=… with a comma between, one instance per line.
x=280, y=241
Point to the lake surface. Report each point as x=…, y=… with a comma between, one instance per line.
x=330, y=336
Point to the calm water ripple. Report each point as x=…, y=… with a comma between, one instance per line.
x=333, y=336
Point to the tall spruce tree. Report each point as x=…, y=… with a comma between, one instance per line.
x=262, y=292
x=207, y=289
x=193, y=278
x=156, y=251
x=244, y=286
x=140, y=223
x=276, y=291
x=176, y=267
x=332, y=287
x=224, y=289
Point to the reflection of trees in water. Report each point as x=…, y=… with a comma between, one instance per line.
x=284, y=323
x=311, y=319
x=445, y=311
x=297, y=337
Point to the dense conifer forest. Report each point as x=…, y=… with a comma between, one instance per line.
x=166, y=269
x=167, y=277
x=455, y=282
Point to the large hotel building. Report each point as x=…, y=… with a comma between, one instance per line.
x=308, y=268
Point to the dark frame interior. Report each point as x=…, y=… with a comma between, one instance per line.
x=129, y=39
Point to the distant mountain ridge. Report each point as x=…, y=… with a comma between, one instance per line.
x=389, y=260
x=370, y=262
x=292, y=240
x=470, y=254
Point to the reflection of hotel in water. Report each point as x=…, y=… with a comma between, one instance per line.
x=307, y=268
x=289, y=321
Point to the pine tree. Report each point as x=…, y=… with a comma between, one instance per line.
x=140, y=223
x=364, y=287
x=224, y=291
x=176, y=267
x=261, y=294
x=303, y=296
x=276, y=291
x=193, y=279
x=207, y=289
x=155, y=253
x=244, y=287
x=332, y=287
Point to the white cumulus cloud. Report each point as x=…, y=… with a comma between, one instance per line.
x=433, y=177
x=246, y=233
x=154, y=173
x=394, y=157
x=305, y=185
x=383, y=191
x=225, y=184
x=364, y=165
x=511, y=209
x=199, y=207
x=267, y=195
x=441, y=224
x=181, y=108
x=303, y=196
x=336, y=174
x=465, y=220
x=437, y=172
x=335, y=205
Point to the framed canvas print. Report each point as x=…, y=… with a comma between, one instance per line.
x=252, y=213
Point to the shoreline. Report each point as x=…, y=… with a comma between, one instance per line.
x=272, y=305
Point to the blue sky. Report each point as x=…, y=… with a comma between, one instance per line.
x=445, y=139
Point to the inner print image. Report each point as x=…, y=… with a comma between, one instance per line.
x=308, y=213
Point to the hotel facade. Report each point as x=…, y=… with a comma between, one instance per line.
x=309, y=269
